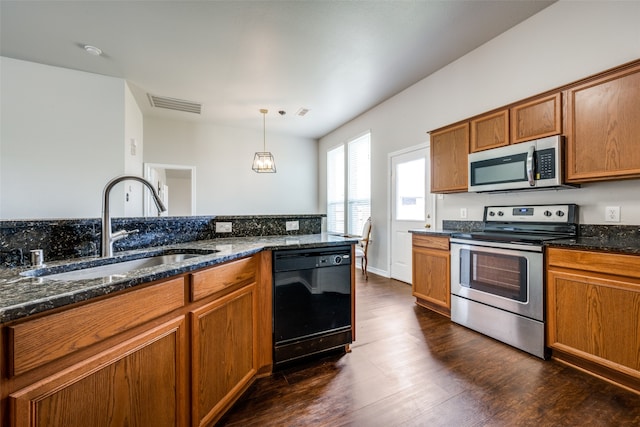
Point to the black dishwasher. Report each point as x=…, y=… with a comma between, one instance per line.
x=311, y=301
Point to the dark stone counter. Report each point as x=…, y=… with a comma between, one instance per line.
x=623, y=239
x=449, y=227
x=22, y=296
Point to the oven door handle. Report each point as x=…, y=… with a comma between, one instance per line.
x=521, y=247
x=530, y=165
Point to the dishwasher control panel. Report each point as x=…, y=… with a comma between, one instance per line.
x=303, y=259
x=336, y=259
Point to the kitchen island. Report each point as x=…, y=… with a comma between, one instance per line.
x=174, y=344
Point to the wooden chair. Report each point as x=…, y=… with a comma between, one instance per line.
x=362, y=247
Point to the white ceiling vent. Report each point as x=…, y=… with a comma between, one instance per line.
x=175, y=104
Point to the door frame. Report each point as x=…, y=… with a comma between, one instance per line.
x=147, y=173
x=390, y=192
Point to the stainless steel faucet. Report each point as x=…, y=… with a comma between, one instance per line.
x=107, y=237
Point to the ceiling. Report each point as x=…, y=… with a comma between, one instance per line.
x=337, y=59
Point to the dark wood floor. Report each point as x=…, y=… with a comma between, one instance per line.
x=412, y=367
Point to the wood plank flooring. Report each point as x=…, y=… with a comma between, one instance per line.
x=412, y=367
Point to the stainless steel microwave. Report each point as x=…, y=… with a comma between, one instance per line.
x=528, y=165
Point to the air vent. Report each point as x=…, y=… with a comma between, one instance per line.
x=175, y=104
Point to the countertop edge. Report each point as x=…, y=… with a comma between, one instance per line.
x=13, y=285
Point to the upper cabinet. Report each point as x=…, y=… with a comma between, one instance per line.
x=449, y=153
x=537, y=118
x=490, y=131
x=603, y=127
x=599, y=116
x=531, y=119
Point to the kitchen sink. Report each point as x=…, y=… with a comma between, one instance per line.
x=88, y=270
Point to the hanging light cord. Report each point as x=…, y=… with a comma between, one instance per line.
x=264, y=129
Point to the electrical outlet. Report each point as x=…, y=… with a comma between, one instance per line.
x=292, y=225
x=463, y=212
x=612, y=214
x=223, y=227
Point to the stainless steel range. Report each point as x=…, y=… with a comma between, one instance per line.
x=497, y=279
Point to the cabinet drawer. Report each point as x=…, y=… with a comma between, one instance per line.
x=39, y=341
x=208, y=282
x=433, y=242
x=616, y=264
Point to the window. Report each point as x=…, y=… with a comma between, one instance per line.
x=349, y=201
x=335, y=190
x=410, y=190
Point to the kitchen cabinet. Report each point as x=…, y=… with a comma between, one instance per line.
x=138, y=382
x=490, y=131
x=224, y=350
x=176, y=352
x=536, y=118
x=121, y=359
x=449, y=154
x=431, y=273
x=603, y=126
x=593, y=313
x=531, y=119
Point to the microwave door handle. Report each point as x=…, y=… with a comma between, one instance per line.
x=530, y=177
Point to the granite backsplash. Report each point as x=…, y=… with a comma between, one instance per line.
x=73, y=238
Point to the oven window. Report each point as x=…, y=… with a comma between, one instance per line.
x=497, y=274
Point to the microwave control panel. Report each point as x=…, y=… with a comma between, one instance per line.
x=545, y=164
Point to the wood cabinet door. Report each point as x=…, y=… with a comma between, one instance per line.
x=431, y=279
x=224, y=353
x=490, y=131
x=537, y=118
x=596, y=318
x=449, y=159
x=603, y=125
x=140, y=382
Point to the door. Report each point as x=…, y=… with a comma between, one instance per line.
x=412, y=206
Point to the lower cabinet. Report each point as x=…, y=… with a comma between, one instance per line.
x=431, y=273
x=593, y=313
x=177, y=352
x=223, y=352
x=138, y=383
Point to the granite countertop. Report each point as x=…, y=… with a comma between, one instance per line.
x=629, y=245
x=621, y=240
x=432, y=232
x=22, y=296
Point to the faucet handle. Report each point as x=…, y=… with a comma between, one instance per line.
x=122, y=234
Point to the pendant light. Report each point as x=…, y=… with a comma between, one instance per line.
x=263, y=161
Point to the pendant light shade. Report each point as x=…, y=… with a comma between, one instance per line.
x=263, y=161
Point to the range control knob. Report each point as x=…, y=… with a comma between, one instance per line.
x=559, y=213
x=492, y=213
x=547, y=213
x=337, y=259
x=500, y=213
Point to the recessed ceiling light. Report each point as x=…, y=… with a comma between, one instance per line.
x=92, y=50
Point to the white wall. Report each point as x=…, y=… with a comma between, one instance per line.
x=60, y=142
x=222, y=155
x=179, y=196
x=133, y=148
x=563, y=43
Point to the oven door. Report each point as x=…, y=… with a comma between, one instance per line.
x=503, y=275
